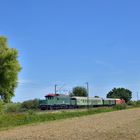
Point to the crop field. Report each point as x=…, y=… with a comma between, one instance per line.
x=118, y=125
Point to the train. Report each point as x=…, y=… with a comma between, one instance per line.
x=61, y=101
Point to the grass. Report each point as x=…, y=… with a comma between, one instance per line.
x=9, y=120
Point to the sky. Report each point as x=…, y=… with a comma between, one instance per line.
x=71, y=42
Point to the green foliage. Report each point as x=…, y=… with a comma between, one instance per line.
x=12, y=108
x=120, y=106
x=31, y=112
x=138, y=103
x=9, y=69
x=121, y=93
x=96, y=96
x=131, y=103
x=30, y=104
x=79, y=91
x=16, y=119
x=1, y=107
x=134, y=103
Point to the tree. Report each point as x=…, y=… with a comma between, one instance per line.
x=30, y=104
x=96, y=96
x=9, y=69
x=121, y=93
x=79, y=91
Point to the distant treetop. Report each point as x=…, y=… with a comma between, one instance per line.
x=79, y=91
x=121, y=93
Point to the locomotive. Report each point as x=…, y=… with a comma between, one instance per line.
x=61, y=101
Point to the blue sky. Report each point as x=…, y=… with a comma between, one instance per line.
x=70, y=42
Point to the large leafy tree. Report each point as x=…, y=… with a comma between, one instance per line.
x=9, y=69
x=121, y=93
x=79, y=91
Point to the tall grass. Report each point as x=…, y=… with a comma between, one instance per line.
x=17, y=119
x=120, y=106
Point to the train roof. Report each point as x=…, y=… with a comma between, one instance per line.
x=54, y=95
x=79, y=97
x=111, y=99
x=51, y=95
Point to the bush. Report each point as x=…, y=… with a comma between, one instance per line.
x=30, y=104
x=1, y=107
x=31, y=112
x=120, y=106
x=138, y=103
x=134, y=103
x=12, y=107
x=131, y=103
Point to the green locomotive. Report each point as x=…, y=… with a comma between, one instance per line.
x=55, y=101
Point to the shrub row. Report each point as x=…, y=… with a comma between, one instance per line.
x=120, y=107
x=16, y=119
x=134, y=103
x=19, y=107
